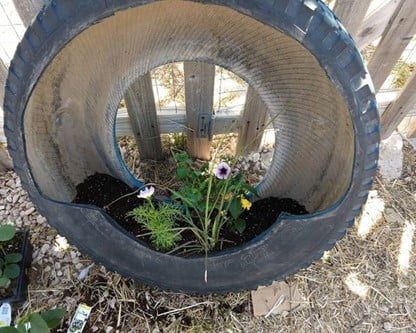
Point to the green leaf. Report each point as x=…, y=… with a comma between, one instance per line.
x=1, y=263
x=4, y=281
x=235, y=208
x=7, y=232
x=53, y=317
x=240, y=225
x=37, y=324
x=249, y=188
x=21, y=325
x=8, y=330
x=13, y=258
x=181, y=173
x=12, y=271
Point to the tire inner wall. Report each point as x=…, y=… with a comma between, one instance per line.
x=70, y=117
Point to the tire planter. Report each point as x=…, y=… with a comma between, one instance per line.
x=79, y=57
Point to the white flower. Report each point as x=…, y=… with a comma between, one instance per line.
x=222, y=170
x=146, y=193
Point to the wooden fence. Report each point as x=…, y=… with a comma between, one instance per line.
x=392, y=22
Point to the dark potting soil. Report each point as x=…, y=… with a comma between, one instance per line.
x=106, y=192
x=15, y=245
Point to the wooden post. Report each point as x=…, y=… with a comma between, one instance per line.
x=5, y=161
x=411, y=132
x=351, y=13
x=199, y=97
x=397, y=35
x=28, y=9
x=397, y=110
x=374, y=25
x=141, y=108
x=253, y=122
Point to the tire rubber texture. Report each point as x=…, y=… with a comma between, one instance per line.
x=281, y=250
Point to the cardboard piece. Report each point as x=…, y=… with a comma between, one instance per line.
x=276, y=299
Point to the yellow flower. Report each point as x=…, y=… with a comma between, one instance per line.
x=228, y=197
x=245, y=203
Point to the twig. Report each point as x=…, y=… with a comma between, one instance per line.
x=279, y=302
x=182, y=309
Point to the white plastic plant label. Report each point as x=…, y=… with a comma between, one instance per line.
x=80, y=319
x=5, y=315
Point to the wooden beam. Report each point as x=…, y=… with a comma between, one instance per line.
x=176, y=123
x=351, y=13
x=5, y=161
x=411, y=130
x=173, y=120
x=374, y=24
x=253, y=123
x=3, y=77
x=398, y=109
x=199, y=97
x=28, y=9
x=141, y=108
x=396, y=36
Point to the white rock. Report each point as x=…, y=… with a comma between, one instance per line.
x=29, y=211
x=84, y=273
x=391, y=157
x=15, y=198
x=44, y=248
x=256, y=157
x=59, y=254
x=388, y=326
x=10, y=183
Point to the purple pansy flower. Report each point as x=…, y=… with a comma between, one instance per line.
x=235, y=171
x=146, y=193
x=222, y=170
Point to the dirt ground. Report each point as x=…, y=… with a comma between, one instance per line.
x=367, y=283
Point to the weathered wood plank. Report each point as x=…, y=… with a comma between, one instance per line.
x=351, y=13
x=253, y=123
x=5, y=161
x=172, y=120
x=3, y=77
x=28, y=9
x=411, y=130
x=176, y=123
x=141, y=108
x=199, y=97
x=374, y=25
x=398, y=109
x=396, y=36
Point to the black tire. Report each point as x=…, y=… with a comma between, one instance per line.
x=285, y=248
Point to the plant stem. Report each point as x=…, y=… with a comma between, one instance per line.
x=127, y=195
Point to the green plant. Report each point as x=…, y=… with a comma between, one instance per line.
x=8, y=261
x=159, y=219
x=213, y=197
x=37, y=322
x=177, y=141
